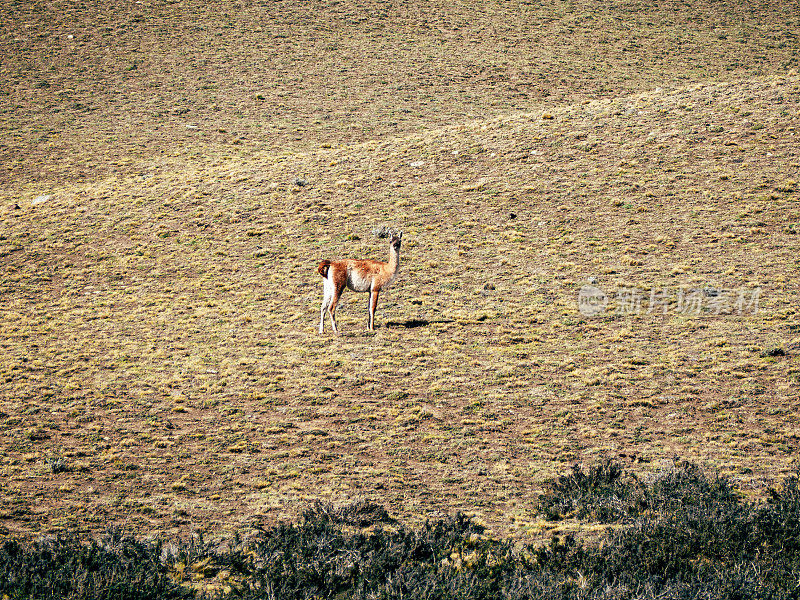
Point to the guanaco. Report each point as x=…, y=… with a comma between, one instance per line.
x=360, y=276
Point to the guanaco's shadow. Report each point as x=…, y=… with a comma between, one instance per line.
x=412, y=323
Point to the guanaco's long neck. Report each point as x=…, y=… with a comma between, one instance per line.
x=394, y=260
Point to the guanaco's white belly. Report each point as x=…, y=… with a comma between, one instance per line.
x=358, y=283
x=364, y=282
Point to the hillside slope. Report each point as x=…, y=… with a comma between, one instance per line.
x=90, y=87
x=161, y=368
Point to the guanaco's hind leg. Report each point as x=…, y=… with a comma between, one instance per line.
x=322, y=310
x=332, y=312
x=329, y=300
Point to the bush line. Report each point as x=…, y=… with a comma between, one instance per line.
x=682, y=534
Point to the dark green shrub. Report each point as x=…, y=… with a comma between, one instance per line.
x=687, y=485
x=601, y=494
x=115, y=566
x=689, y=536
x=317, y=558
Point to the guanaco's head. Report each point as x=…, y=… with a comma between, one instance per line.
x=394, y=241
x=394, y=235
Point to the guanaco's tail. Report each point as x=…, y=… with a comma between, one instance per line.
x=323, y=268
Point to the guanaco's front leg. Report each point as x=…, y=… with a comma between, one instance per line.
x=373, y=303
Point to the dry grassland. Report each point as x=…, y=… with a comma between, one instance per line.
x=159, y=362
